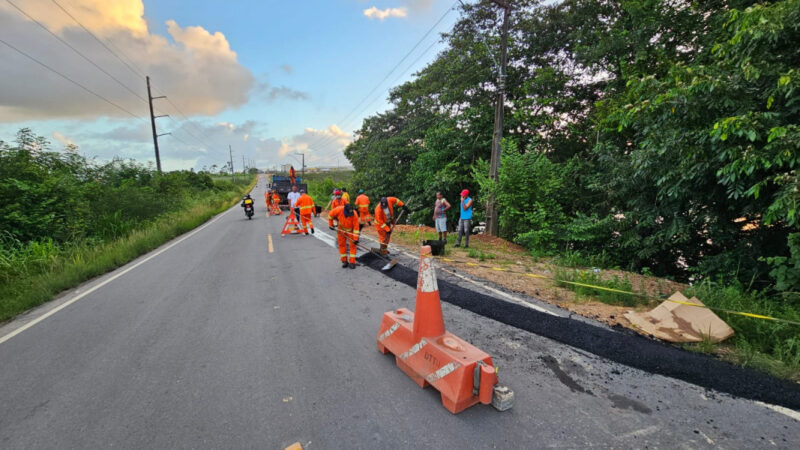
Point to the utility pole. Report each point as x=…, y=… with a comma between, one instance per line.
x=244, y=166
x=302, y=164
x=492, y=226
x=153, y=118
x=230, y=151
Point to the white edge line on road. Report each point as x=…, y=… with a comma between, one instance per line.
x=109, y=279
x=782, y=410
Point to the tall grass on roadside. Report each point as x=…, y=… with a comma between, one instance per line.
x=763, y=344
x=32, y=273
x=564, y=279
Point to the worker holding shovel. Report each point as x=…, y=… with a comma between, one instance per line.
x=344, y=220
x=385, y=220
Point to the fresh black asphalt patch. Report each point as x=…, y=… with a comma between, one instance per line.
x=621, y=346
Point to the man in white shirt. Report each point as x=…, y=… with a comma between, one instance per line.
x=292, y=198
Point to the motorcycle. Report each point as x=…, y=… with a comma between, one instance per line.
x=248, y=211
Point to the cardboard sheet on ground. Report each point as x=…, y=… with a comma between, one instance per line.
x=676, y=322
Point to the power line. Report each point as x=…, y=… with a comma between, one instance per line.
x=97, y=39
x=77, y=51
x=323, y=144
x=70, y=80
x=135, y=71
x=447, y=12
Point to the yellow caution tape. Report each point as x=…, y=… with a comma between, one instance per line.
x=619, y=291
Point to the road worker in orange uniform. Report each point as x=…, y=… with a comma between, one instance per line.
x=385, y=219
x=362, y=206
x=276, y=201
x=344, y=220
x=305, y=205
x=337, y=200
x=268, y=199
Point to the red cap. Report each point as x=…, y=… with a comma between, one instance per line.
x=337, y=192
x=464, y=193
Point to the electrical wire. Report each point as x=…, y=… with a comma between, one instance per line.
x=139, y=96
x=71, y=80
x=424, y=36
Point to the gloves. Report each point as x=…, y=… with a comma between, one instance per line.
x=405, y=208
x=356, y=241
x=331, y=228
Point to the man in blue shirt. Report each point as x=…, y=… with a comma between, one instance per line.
x=465, y=220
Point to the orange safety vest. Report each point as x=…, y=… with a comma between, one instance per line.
x=306, y=205
x=337, y=202
x=362, y=203
x=276, y=198
x=347, y=225
x=383, y=222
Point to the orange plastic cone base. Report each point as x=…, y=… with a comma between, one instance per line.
x=292, y=226
x=429, y=355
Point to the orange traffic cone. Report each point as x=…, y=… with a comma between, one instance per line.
x=428, y=311
x=430, y=355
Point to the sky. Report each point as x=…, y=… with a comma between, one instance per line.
x=269, y=78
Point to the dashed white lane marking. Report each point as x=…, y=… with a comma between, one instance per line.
x=107, y=280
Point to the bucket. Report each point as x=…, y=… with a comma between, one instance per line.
x=437, y=247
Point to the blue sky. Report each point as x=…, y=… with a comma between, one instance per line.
x=269, y=78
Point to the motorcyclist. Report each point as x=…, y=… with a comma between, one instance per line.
x=247, y=201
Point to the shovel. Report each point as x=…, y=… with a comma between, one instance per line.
x=393, y=262
x=388, y=265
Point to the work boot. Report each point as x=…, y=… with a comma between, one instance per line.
x=344, y=265
x=352, y=265
x=312, y=231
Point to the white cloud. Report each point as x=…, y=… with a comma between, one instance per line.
x=321, y=147
x=383, y=14
x=197, y=69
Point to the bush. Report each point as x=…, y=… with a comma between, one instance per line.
x=755, y=337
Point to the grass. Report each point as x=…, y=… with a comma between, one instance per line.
x=564, y=279
x=762, y=344
x=34, y=274
x=480, y=255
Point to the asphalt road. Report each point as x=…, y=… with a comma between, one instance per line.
x=221, y=340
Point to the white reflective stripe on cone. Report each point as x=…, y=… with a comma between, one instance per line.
x=417, y=347
x=389, y=332
x=447, y=369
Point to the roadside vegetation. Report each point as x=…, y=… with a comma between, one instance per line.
x=659, y=138
x=322, y=184
x=65, y=218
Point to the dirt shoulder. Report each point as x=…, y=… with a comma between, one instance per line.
x=510, y=266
